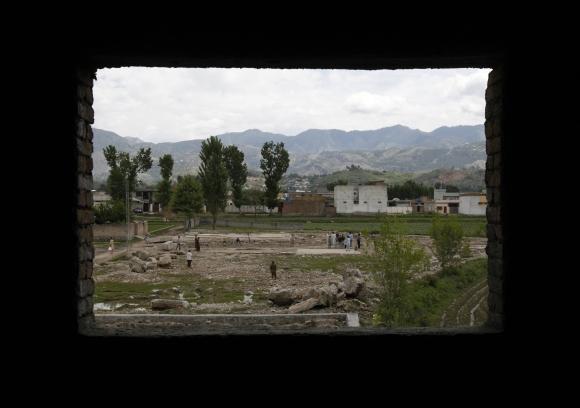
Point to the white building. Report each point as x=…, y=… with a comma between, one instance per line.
x=369, y=199
x=472, y=203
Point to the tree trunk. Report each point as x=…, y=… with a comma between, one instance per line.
x=214, y=219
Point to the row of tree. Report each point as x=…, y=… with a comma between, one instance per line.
x=221, y=168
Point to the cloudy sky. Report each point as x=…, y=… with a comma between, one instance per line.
x=173, y=104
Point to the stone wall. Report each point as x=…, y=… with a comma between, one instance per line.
x=85, y=284
x=119, y=231
x=494, y=125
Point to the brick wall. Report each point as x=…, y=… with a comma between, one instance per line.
x=85, y=284
x=494, y=124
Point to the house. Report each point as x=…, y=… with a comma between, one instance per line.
x=100, y=198
x=144, y=199
x=473, y=203
x=423, y=205
x=367, y=199
x=307, y=204
x=397, y=206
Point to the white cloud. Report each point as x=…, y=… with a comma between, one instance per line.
x=168, y=104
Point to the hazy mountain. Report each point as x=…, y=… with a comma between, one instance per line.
x=316, y=151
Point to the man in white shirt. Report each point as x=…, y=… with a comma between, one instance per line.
x=189, y=257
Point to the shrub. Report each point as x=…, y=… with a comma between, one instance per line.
x=111, y=211
x=447, y=241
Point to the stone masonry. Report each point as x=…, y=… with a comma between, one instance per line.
x=494, y=126
x=85, y=284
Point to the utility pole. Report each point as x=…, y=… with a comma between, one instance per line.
x=127, y=210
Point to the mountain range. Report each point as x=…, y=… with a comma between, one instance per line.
x=321, y=151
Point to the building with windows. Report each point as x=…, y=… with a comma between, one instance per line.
x=361, y=199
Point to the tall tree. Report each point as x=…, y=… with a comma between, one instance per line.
x=448, y=242
x=274, y=163
x=188, y=198
x=213, y=176
x=401, y=259
x=124, y=169
x=237, y=172
x=164, y=186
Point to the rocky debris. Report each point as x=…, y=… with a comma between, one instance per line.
x=168, y=246
x=176, y=289
x=143, y=255
x=164, y=261
x=282, y=297
x=248, y=297
x=353, y=282
x=304, y=305
x=137, y=265
x=351, y=305
x=151, y=263
x=164, y=304
x=173, y=256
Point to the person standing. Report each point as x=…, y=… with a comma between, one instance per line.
x=328, y=239
x=358, y=238
x=197, y=243
x=179, y=242
x=333, y=239
x=189, y=257
x=111, y=245
x=273, y=269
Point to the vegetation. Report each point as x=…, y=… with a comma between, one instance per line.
x=237, y=172
x=213, y=175
x=164, y=187
x=124, y=170
x=409, y=190
x=401, y=259
x=448, y=242
x=188, y=198
x=110, y=212
x=274, y=163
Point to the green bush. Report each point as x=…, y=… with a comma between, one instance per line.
x=110, y=212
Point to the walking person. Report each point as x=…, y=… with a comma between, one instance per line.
x=273, y=269
x=111, y=245
x=333, y=239
x=189, y=257
x=358, y=238
x=179, y=242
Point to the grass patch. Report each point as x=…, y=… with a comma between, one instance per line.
x=427, y=299
x=194, y=289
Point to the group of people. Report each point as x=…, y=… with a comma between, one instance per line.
x=347, y=240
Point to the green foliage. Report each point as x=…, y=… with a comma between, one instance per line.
x=163, y=194
x=110, y=212
x=213, y=175
x=274, y=163
x=401, y=258
x=252, y=197
x=166, y=166
x=409, y=190
x=237, y=172
x=124, y=169
x=116, y=184
x=341, y=182
x=187, y=198
x=448, y=241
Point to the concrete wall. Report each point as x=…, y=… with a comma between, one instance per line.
x=371, y=199
x=119, y=231
x=470, y=205
x=249, y=209
x=399, y=210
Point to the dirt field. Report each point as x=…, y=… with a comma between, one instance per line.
x=224, y=270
